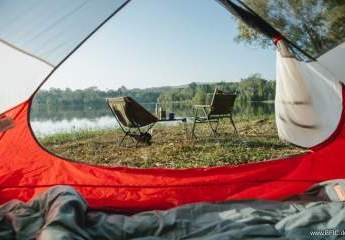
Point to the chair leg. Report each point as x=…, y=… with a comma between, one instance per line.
x=210, y=125
x=123, y=138
x=213, y=129
x=233, y=124
x=185, y=129
x=193, y=129
x=216, y=128
x=137, y=143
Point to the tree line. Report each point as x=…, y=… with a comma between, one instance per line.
x=252, y=88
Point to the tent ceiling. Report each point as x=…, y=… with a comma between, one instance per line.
x=35, y=36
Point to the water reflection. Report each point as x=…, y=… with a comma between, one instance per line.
x=47, y=120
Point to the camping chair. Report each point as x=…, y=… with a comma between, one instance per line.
x=134, y=119
x=221, y=107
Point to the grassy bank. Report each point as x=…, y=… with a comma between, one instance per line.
x=257, y=141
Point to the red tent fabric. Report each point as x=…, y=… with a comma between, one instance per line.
x=27, y=169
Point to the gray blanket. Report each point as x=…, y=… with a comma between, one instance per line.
x=61, y=213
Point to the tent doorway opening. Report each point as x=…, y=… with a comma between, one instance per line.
x=147, y=62
x=309, y=100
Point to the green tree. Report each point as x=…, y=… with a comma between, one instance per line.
x=314, y=25
x=199, y=97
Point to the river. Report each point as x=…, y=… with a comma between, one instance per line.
x=49, y=120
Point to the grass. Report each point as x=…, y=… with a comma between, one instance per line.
x=257, y=141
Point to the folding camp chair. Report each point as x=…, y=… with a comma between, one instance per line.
x=221, y=107
x=134, y=119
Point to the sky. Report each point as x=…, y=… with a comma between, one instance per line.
x=152, y=43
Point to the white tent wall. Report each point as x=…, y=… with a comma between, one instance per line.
x=36, y=35
x=308, y=101
x=21, y=74
x=334, y=62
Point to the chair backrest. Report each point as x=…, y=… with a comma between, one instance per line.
x=222, y=103
x=129, y=113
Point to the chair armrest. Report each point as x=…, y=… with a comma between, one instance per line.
x=204, y=109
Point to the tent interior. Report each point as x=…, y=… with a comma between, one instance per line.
x=36, y=40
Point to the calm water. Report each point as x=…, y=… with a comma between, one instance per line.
x=50, y=120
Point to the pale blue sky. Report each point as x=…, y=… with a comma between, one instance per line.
x=154, y=43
